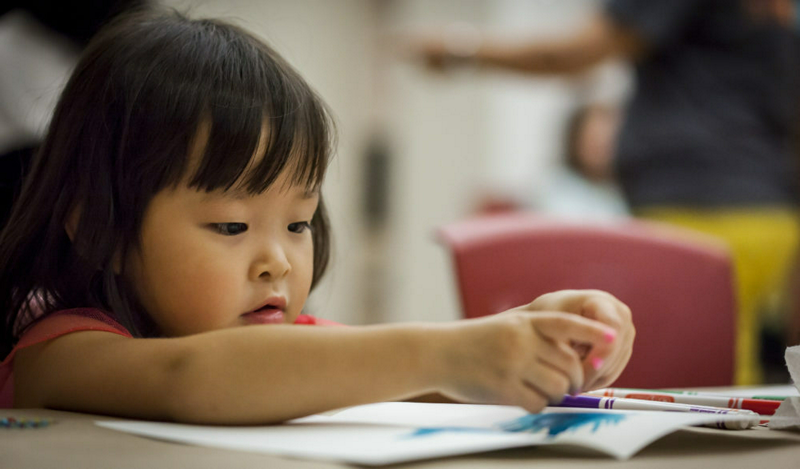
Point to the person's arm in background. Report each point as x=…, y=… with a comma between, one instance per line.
x=624, y=29
x=600, y=39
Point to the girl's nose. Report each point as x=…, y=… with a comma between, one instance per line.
x=271, y=264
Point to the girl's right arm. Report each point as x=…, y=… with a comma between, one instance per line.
x=269, y=374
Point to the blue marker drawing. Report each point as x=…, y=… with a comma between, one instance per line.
x=433, y=430
x=555, y=424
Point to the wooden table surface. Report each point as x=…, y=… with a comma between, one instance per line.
x=74, y=441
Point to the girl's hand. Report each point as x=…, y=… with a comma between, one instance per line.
x=516, y=358
x=601, y=366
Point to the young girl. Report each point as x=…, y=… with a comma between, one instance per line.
x=177, y=199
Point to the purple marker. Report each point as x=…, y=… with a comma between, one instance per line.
x=591, y=402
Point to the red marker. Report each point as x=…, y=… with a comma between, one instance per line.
x=761, y=406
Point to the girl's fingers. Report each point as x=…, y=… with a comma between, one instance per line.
x=565, y=327
x=614, y=313
x=609, y=374
x=613, y=364
x=602, y=360
x=561, y=357
x=592, y=369
x=528, y=398
x=609, y=311
x=547, y=381
x=596, y=366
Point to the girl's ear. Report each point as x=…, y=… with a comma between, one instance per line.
x=71, y=224
x=71, y=227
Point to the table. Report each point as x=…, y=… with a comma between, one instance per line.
x=73, y=440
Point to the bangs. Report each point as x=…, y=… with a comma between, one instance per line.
x=247, y=146
x=255, y=131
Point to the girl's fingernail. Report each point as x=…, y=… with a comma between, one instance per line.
x=597, y=363
x=610, y=335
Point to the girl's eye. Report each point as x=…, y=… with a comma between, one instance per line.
x=229, y=229
x=299, y=227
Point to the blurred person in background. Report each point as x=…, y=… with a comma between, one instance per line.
x=581, y=184
x=40, y=41
x=591, y=134
x=707, y=141
x=584, y=186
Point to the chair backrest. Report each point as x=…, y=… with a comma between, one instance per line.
x=679, y=287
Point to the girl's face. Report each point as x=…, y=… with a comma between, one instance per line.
x=212, y=260
x=223, y=259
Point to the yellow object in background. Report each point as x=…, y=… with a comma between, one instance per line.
x=763, y=243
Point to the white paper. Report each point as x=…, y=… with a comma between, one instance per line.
x=787, y=417
x=395, y=432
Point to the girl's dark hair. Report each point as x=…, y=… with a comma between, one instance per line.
x=122, y=131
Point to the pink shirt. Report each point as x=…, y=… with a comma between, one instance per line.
x=74, y=320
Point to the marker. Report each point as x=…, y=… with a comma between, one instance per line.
x=592, y=402
x=697, y=393
x=761, y=406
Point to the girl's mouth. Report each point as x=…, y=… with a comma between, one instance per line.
x=272, y=311
x=265, y=315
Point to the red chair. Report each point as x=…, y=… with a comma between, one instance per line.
x=679, y=286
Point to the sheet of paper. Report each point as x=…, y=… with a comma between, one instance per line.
x=395, y=432
x=787, y=417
